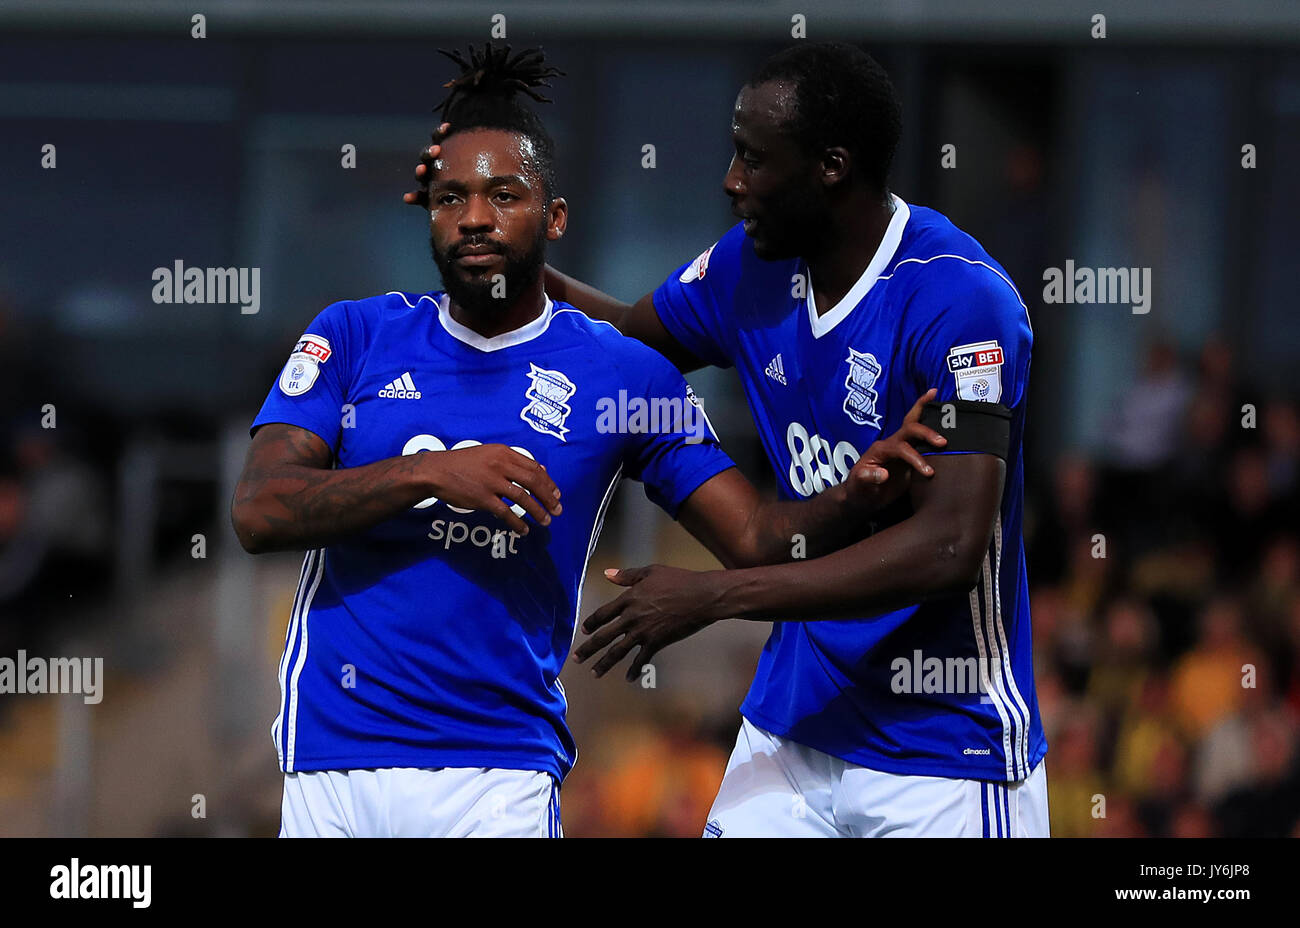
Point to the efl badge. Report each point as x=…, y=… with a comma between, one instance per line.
x=304, y=364
x=860, y=403
x=978, y=370
x=548, y=401
x=699, y=267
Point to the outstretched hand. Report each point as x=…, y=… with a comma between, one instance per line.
x=660, y=606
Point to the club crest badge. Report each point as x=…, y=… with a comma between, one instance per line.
x=860, y=403
x=548, y=401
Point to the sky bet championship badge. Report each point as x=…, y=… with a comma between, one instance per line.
x=304, y=364
x=978, y=369
x=548, y=404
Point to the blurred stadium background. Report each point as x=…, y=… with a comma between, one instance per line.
x=225, y=151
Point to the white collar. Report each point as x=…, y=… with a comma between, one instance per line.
x=526, y=332
x=884, y=254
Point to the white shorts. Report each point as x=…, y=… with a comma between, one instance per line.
x=413, y=802
x=775, y=787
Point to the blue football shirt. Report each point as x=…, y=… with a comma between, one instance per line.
x=436, y=638
x=943, y=688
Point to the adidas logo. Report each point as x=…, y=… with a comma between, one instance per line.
x=776, y=370
x=403, y=388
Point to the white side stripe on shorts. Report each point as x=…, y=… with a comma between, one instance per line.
x=996, y=811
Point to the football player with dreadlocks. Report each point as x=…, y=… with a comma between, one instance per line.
x=416, y=446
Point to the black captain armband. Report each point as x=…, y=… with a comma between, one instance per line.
x=984, y=428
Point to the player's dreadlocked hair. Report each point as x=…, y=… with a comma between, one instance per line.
x=842, y=97
x=486, y=96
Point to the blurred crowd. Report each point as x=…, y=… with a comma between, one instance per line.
x=1166, y=611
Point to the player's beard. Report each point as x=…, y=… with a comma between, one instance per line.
x=475, y=295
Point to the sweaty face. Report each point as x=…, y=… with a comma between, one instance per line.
x=487, y=218
x=772, y=180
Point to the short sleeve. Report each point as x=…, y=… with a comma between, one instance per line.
x=694, y=303
x=671, y=446
x=312, y=387
x=973, y=341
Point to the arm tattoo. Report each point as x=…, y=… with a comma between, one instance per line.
x=289, y=496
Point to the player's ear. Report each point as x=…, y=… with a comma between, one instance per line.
x=835, y=165
x=557, y=219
